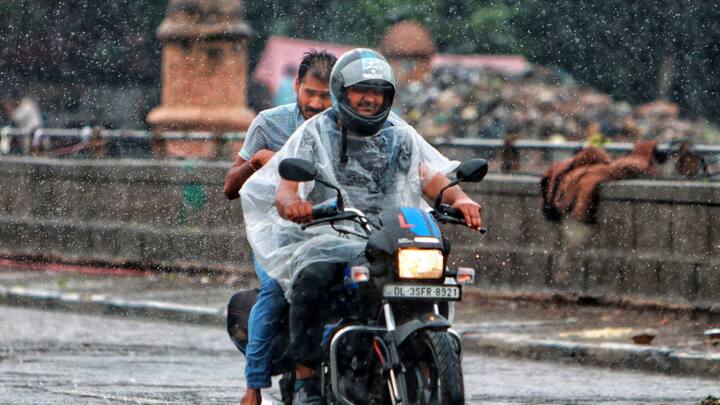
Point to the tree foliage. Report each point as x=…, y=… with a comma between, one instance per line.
x=82, y=40
x=638, y=50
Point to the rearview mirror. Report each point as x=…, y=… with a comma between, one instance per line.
x=472, y=170
x=294, y=169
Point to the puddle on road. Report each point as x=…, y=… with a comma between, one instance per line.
x=604, y=333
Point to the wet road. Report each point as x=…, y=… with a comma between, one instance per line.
x=60, y=358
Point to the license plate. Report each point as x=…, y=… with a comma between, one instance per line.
x=435, y=292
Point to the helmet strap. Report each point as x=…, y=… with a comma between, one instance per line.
x=343, y=147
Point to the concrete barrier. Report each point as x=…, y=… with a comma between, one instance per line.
x=654, y=241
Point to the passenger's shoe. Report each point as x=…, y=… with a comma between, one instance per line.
x=287, y=387
x=307, y=392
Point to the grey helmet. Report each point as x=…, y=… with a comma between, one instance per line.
x=361, y=67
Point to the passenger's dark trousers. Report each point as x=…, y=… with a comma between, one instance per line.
x=309, y=307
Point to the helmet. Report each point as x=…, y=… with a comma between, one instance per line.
x=363, y=68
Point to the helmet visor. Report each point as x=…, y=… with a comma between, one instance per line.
x=367, y=70
x=373, y=85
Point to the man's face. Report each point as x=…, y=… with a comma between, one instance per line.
x=313, y=95
x=365, y=101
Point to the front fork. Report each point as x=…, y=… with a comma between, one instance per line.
x=396, y=383
x=386, y=347
x=386, y=343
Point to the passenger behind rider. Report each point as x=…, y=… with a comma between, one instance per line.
x=362, y=88
x=268, y=132
x=271, y=128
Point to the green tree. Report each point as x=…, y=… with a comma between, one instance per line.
x=638, y=50
x=92, y=41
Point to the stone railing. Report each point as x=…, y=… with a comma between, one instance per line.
x=138, y=212
x=653, y=241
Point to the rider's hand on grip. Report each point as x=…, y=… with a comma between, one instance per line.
x=299, y=211
x=470, y=211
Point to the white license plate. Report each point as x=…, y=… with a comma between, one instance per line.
x=436, y=292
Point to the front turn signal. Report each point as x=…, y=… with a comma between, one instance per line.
x=465, y=275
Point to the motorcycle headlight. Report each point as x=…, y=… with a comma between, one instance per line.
x=420, y=263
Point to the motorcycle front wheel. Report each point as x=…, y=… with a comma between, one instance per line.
x=433, y=371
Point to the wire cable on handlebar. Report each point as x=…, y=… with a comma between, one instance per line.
x=346, y=232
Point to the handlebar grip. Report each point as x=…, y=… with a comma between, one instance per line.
x=324, y=211
x=457, y=216
x=454, y=212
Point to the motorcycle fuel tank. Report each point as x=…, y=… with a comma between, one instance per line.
x=404, y=228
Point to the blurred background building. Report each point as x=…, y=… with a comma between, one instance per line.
x=472, y=70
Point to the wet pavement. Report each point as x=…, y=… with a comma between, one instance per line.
x=521, y=328
x=49, y=357
x=681, y=330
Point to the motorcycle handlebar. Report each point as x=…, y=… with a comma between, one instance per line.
x=454, y=216
x=324, y=211
x=455, y=213
x=336, y=216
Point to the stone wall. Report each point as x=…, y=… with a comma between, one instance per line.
x=137, y=212
x=655, y=241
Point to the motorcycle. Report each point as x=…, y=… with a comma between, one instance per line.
x=388, y=337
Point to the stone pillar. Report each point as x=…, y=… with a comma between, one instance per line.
x=204, y=73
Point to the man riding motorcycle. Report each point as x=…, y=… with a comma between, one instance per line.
x=378, y=166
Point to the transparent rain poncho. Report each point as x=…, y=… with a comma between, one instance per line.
x=387, y=170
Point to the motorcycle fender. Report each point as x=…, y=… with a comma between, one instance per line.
x=429, y=321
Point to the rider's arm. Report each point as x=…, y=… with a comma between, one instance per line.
x=241, y=170
x=289, y=205
x=253, y=155
x=456, y=198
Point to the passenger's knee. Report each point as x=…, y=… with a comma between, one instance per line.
x=270, y=289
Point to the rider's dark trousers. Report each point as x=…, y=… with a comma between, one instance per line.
x=310, y=304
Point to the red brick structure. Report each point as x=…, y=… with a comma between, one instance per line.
x=204, y=72
x=409, y=48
